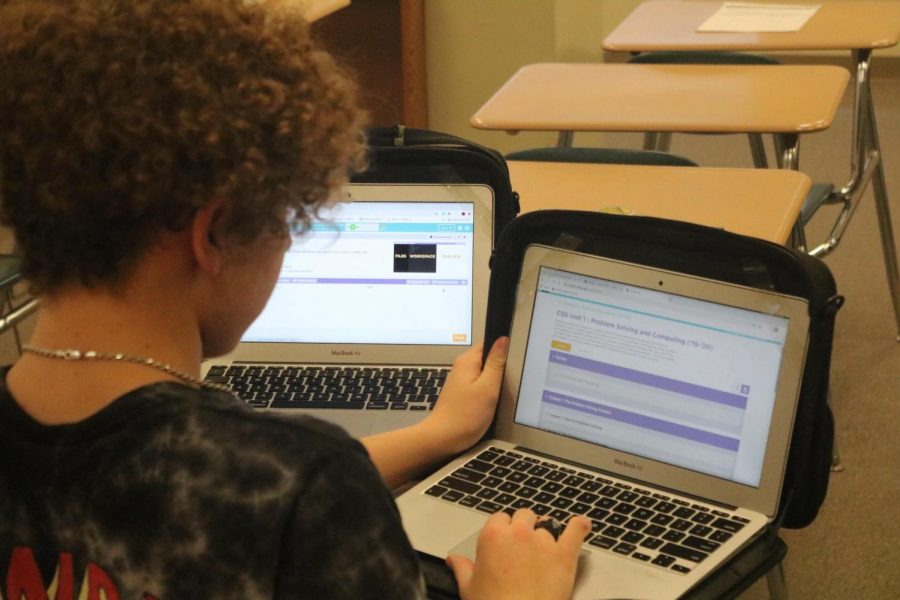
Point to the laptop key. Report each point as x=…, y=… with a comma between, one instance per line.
x=318, y=404
x=642, y=557
x=662, y=519
x=603, y=542
x=526, y=492
x=652, y=543
x=673, y=536
x=680, y=525
x=616, y=519
x=680, y=569
x=720, y=536
x=540, y=509
x=504, y=499
x=664, y=507
x=690, y=554
x=508, y=487
x=470, y=501
x=561, y=503
x=560, y=515
x=487, y=456
x=684, y=513
x=488, y=507
x=728, y=525
x=663, y=561
x=535, y=482
x=701, y=530
x=517, y=477
x=467, y=487
x=624, y=548
x=486, y=493
x=436, y=490
x=468, y=475
x=613, y=531
x=591, y=486
x=453, y=496
x=700, y=544
x=580, y=508
x=598, y=514
x=632, y=537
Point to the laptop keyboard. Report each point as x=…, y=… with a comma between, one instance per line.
x=667, y=532
x=363, y=387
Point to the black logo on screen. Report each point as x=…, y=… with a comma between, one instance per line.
x=415, y=258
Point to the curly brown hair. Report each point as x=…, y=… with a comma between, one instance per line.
x=119, y=118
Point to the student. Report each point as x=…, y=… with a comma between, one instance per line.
x=154, y=155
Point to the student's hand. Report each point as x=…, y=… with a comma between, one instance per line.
x=468, y=399
x=515, y=561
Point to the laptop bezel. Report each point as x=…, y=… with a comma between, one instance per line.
x=763, y=499
x=481, y=197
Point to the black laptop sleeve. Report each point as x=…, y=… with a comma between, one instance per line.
x=400, y=154
x=714, y=254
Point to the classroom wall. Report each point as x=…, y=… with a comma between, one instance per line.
x=474, y=46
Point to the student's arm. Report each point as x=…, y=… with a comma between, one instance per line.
x=461, y=416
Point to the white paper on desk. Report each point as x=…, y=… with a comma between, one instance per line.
x=313, y=10
x=750, y=17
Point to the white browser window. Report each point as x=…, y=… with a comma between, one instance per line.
x=679, y=380
x=376, y=273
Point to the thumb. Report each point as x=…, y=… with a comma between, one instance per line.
x=462, y=568
x=496, y=358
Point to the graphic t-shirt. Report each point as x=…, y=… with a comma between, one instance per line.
x=170, y=492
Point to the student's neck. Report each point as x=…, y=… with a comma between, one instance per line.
x=144, y=320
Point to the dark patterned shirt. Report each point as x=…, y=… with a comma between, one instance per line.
x=174, y=493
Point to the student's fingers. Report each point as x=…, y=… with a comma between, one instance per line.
x=524, y=517
x=573, y=536
x=468, y=364
x=496, y=359
x=462, y=568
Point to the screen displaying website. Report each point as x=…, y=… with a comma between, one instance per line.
x=675, y=379
x=376, y=273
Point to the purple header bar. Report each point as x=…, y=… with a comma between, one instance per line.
x=343, y=280
x=657, y=381
x=623, y=416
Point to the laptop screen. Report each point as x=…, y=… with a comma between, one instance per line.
x=680, y=380
x=382, y=273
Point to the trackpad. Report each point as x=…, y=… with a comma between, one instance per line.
x=466, y=547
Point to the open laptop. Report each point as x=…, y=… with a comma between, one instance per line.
x=657, y=404
x=371, y=307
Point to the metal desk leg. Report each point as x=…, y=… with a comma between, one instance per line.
x=777, y=585
x=564, y=139
x=787, y=156
x=866, y=164
x=879, y=188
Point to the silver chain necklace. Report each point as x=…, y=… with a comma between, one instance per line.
x=73, y=354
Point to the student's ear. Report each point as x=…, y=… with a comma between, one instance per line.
x=207, y=240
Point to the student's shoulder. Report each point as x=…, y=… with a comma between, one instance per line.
x=220, y=415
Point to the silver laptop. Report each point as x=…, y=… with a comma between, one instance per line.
x=371, y=307
x=657, y=404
